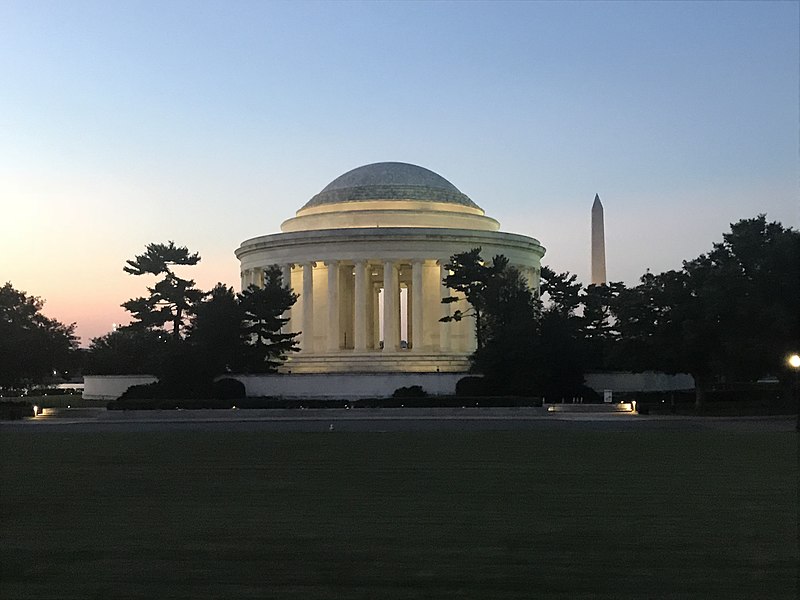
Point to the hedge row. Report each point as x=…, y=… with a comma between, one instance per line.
x=11, y=410
x=275, y=403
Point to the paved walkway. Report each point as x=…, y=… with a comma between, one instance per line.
x=383, y=419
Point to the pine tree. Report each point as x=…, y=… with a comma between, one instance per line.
x=172, y=299
x=265, y=345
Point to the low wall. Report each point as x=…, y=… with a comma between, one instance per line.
x=297, y=385
x=379, y=385
x=346, y=385
x=111, y=387
x=648, y=381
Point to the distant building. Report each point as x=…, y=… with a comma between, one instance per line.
x=367, y=255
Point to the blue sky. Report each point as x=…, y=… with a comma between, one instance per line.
x=212, y=122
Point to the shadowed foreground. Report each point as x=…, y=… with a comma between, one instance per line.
x=536, y=514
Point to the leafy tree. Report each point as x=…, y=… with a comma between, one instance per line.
x=728, y=315
x=172, y=299
x=598, y=325
x=561, y=355
x=525, y=347
x=470, y=275
x=32, y=346
x=753, y=279
x=562, y=292
x=508, y=355
x=127, y=350
x=265, y=346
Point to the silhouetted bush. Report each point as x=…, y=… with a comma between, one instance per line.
x=144, y=391
x=413, y=391
x=316, y=403
x=228, y=389
x=472, y=386
x=11, y=410
x=183, y=388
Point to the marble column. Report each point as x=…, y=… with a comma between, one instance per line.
x=286, y=273
x=360, y=316
x=308, y=308
x=376, y=315
x=444, y=328
x=391, y=307
x=333, y=305
x=259, y=277
x=416, y=305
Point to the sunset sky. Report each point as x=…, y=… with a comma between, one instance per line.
x=207, y=123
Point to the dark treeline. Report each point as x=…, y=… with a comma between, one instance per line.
x=729, y=315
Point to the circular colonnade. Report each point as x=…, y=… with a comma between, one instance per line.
x=367, y=257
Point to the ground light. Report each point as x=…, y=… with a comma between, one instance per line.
x=794, y=362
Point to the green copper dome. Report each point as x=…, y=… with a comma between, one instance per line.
x=390, y=181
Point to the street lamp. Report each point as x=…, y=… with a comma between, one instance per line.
x=794, y=362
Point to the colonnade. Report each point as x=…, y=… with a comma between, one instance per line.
x=345, y=305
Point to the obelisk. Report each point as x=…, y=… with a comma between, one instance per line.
x=598, y=243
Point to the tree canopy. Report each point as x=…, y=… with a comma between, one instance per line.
x=265, y=343
x=172, y=299
x=32, y=345
x=469, y=274
x=728, y=315
x=525, y=347
x=217, y=331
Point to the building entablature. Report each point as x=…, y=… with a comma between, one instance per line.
x=378, y=244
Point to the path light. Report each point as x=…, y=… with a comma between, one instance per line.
x=35, y=410
x=794, y=362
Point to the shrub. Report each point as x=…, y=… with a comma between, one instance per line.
x=144, y=391
x=11, y=410
x=228, y=389
x=472, y=386
x=413, y=391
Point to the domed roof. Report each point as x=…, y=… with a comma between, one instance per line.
x=390, y=181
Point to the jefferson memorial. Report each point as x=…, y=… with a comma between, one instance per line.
x=367, y=257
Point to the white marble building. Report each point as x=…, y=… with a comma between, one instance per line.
x=367, y=255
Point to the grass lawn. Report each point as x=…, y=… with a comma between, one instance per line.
x=398, y=515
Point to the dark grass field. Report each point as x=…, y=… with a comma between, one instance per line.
x=553, y=514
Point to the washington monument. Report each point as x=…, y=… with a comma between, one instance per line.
x=598, y=243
